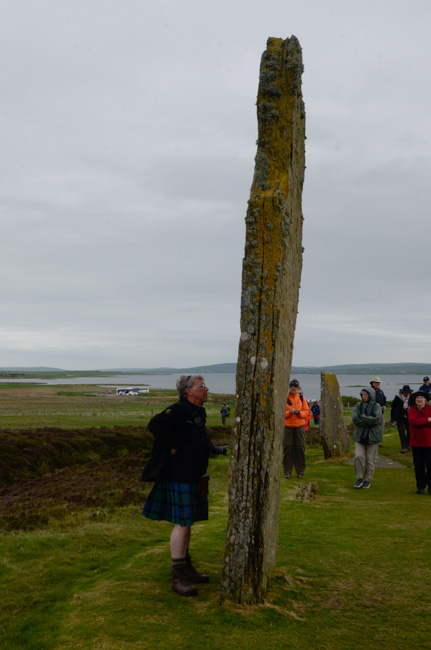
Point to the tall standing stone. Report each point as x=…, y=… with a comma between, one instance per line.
x=269, y=302
x=333, y=431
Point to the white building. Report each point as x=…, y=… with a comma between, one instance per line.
x=124, y=390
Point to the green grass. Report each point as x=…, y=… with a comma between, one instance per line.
x=86, y=406
x=353, y=571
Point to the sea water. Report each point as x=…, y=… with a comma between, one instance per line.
x=224, y=383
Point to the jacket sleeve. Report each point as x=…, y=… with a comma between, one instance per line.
x=355, y=414
x=287, y=414
x=395, y=408
x=372, y=420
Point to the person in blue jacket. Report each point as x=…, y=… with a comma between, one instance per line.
x=426, y=386
x=315, y=409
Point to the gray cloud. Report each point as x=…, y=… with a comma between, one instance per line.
x=128, y=135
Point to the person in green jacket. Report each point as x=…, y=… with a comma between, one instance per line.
x=367, y=417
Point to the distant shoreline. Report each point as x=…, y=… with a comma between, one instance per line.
x=227, y=368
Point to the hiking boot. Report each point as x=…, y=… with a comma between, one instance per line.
x=287, y=475
x=420, y=491
x=194, y=575
x=181, y=582
x=359, y=483
x=366, y=485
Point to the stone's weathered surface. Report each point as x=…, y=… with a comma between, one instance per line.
x=270, y=286
x=333, y=431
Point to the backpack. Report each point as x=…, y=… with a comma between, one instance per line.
x=290, y=403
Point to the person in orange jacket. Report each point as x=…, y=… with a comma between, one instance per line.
x=297, y=413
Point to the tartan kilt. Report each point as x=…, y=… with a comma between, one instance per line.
x=175, y=502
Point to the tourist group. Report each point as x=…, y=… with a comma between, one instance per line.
x=412, y=414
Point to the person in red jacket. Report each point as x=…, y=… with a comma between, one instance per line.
x=419, y=415
x=297, y=413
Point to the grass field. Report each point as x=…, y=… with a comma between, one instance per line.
x=353, y=567
x=86, y=406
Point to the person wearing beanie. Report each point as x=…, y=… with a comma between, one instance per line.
x=296, y=415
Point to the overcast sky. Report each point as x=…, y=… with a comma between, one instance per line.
x=128, y=135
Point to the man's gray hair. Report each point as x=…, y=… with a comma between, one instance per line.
x=184, y=382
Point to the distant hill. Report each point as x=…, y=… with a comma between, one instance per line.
x=369, y=368
x=33, y=369
x=345, y=369
x=218, y=367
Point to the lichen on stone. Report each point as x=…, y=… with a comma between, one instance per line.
x=270, y=284
x=261, y=170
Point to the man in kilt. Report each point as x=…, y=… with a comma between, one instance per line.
x=178, y=465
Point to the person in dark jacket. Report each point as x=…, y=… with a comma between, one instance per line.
x=400, y=405
x=367, y=418
x=380, y=399
x=178, y=465
x=426, y=386
x=224, y=412
x=419, y=415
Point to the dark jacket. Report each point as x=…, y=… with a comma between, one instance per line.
x=398, y=412
x=380, y=397
x=367, y=417
x=177, y=427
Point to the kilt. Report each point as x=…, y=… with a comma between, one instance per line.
x=175, y=502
